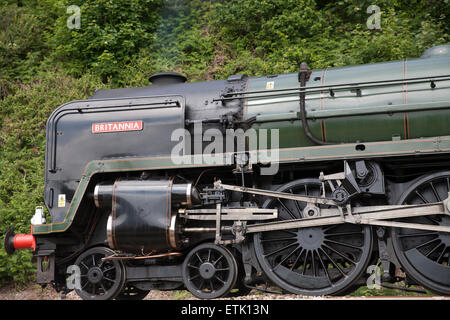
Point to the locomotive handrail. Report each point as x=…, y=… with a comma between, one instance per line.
x=333, y=87
x=359, y=111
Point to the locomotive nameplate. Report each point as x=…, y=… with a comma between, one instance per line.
x=117, y=126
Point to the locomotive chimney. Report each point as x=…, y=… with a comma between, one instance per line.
x=166, y=78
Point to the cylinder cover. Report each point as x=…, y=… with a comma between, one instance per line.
x=142, y=219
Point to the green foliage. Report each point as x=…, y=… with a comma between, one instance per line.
x=20, y=31
x=22, y=149
x=44, y=64
x=389, y=292
x=110, y=33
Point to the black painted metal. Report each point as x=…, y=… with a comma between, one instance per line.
x=165, y=78
x=425, y=255
x=8, y=242
x=141, y=215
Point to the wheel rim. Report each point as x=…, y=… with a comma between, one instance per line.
x=312, y=261
x=209, y=271
x=425, y=255
x=99, y=280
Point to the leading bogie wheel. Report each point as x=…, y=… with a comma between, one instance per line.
x=99, y=280
x=209, y=271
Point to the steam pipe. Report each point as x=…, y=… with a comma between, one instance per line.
x=303, y=77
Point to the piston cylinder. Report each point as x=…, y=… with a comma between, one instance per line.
x=142, y=219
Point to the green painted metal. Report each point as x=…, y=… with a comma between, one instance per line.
x=377, y=113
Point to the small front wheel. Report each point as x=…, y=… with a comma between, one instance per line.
x=99, y=280
x=209, y=271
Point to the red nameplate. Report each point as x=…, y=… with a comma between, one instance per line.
x=117, y=126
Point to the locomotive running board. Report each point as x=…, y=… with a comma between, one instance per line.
x=370, y=215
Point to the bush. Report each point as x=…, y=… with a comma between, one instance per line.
x=111, y=32
x=20, y=45
x=22, y=149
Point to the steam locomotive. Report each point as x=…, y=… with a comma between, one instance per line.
x=301, y=181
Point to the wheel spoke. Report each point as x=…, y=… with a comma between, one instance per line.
x=438, y=198
x=218, y=259
x=419, y=234
x=340, y=254
x=434, y=249
x=280, y=249
x=297, y=259
x=324, y=267
x=304, y=262
x=82, y=264
x=325, y=229
x=278, y=239
x=426, y=243
x=338, y=234
x=83, y=286
x=110, y=280
x=209, y=256
x=421, y=197
x=109, y=269
x=200, y=259
x=436, y=222
x=194, y=277
x=216, y=277
x=442, y=254
x=288, y=256
x=334, y=263
x=222, y=269
x=313, y=264
x=299, y=210
x=343, y=244
x=286, y=208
